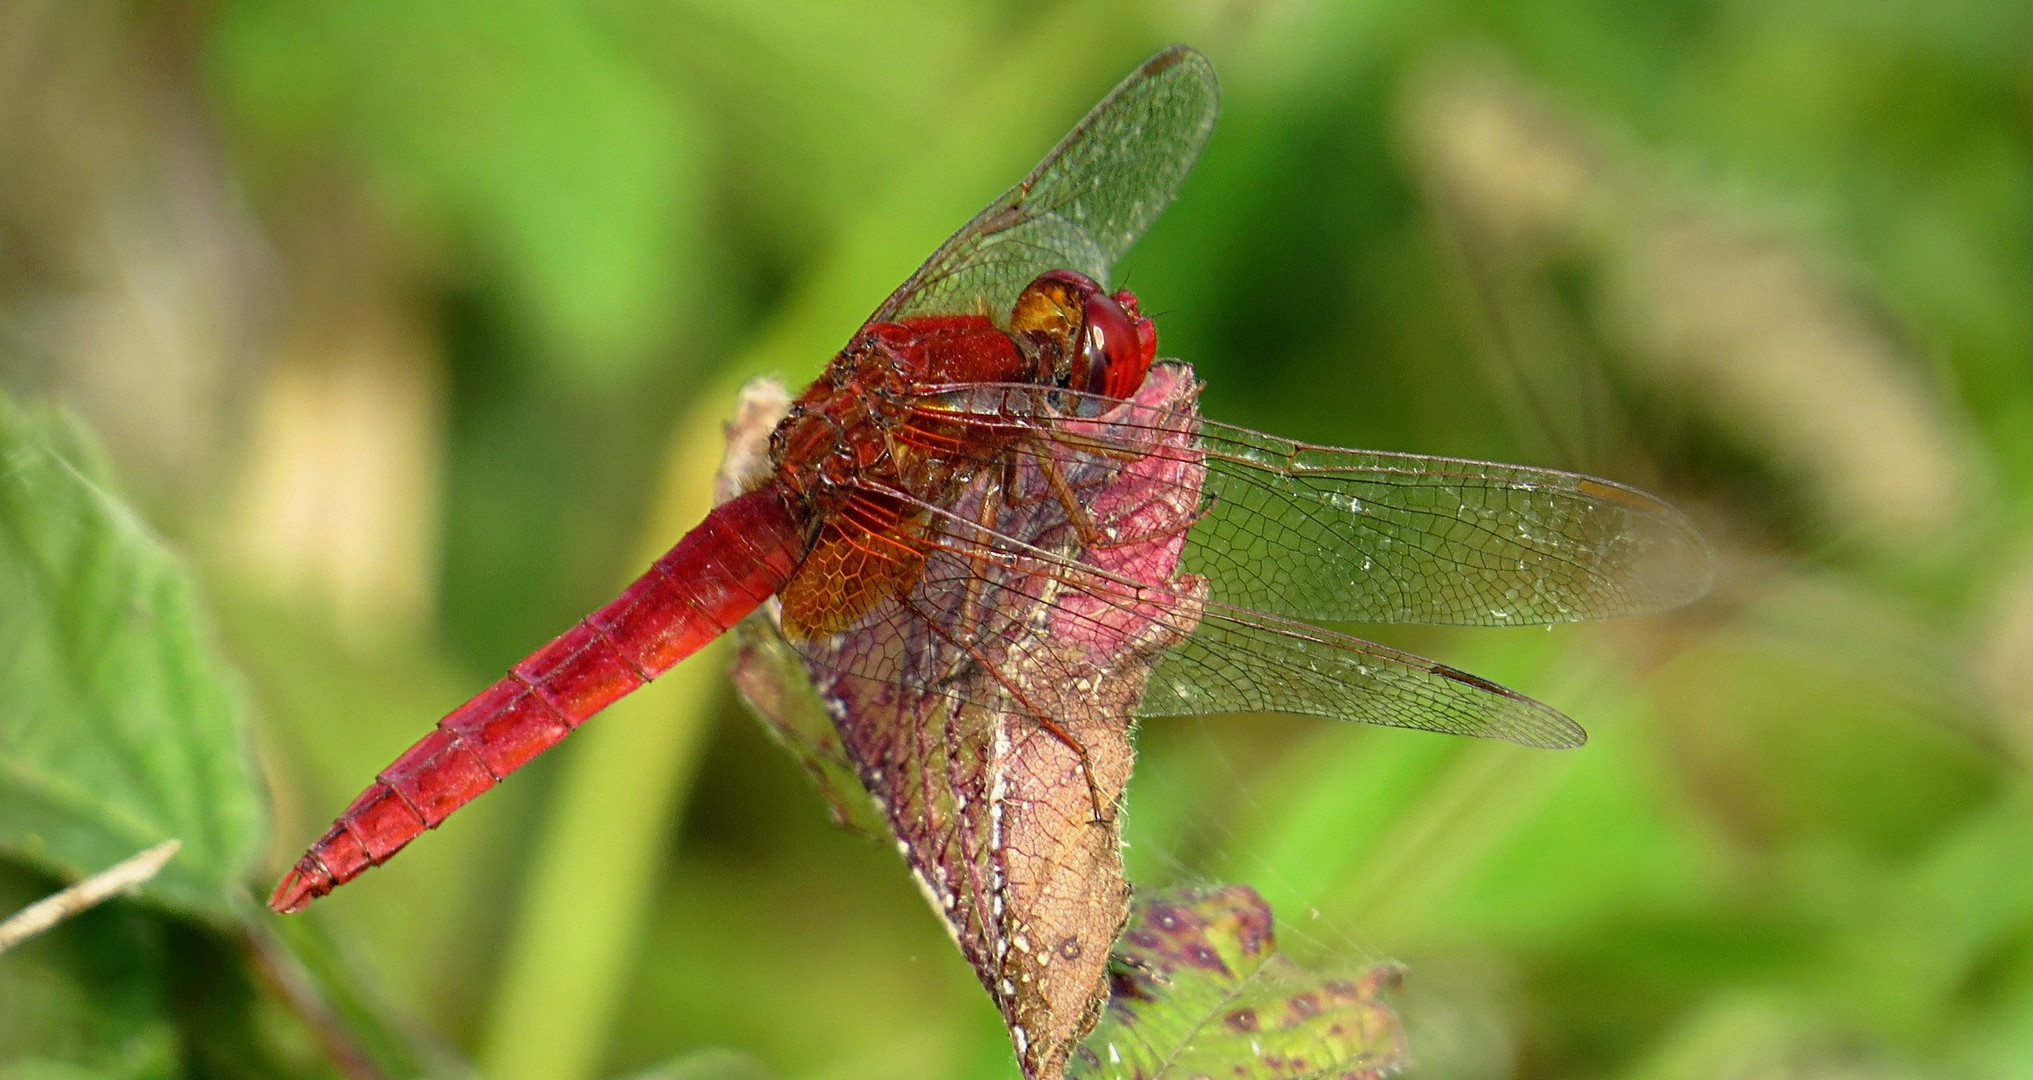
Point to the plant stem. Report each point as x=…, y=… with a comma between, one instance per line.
x=89, y=893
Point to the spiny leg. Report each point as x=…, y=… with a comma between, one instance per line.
x=1051, y=726
x=1083, y=525
x=1091, y=536
x=977, y=559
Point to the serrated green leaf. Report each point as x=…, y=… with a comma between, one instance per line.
x=119, y=725
x=1198, y=988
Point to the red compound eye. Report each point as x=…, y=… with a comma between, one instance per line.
x=1111, y=360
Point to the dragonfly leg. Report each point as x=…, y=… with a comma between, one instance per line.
x=1092, y=536
x=1086, y=764
x=1083, y=525
x=991, y=512
x=1051, y=727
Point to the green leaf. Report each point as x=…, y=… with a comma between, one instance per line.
x=1198, y=988
x=46, y=1069
x=119, y=725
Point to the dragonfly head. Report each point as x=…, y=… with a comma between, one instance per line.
x=1086, y=339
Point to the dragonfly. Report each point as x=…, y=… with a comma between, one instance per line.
x=1004, y=383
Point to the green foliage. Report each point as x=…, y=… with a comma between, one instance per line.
x=519, y=126
x=708, y=1065
x=122, y=728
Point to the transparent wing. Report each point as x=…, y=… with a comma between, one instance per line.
x=1230, y=661
x=1241, y=662
x=1317, y=532
x=1085, y=204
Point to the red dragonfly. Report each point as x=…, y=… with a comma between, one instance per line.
x=1003, y=354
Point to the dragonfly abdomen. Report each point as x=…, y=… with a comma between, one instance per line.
x=734, y=560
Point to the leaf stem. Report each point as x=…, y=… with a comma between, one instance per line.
x=284, y=972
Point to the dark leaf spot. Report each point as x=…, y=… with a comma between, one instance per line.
x=1253, y=930
x=1123, y=986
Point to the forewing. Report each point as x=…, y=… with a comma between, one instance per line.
x=1085, y=203
x=1317, y=532
x=1044, y=624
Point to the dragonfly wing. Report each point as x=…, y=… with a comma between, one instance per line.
x=1085, y=203
x=1317, y=532
x=1243, y=662
x=772, y=680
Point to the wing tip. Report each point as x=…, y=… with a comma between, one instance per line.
x=1173, y=56
x=1672, y=564
x=1623, y=495
x=1548, y=729
x=1551, y=730
x=1166, y=58
x=1565, y=734
x=1170, y=57
x=1677, y=565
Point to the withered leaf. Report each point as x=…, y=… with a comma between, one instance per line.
x=1014, y=839
x=1198, y=989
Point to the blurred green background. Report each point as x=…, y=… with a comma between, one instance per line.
x=411, y=325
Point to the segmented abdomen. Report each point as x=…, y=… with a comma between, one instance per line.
x=734, y=560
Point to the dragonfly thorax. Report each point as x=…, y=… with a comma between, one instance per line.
x=878, y=421
x=864, y=427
